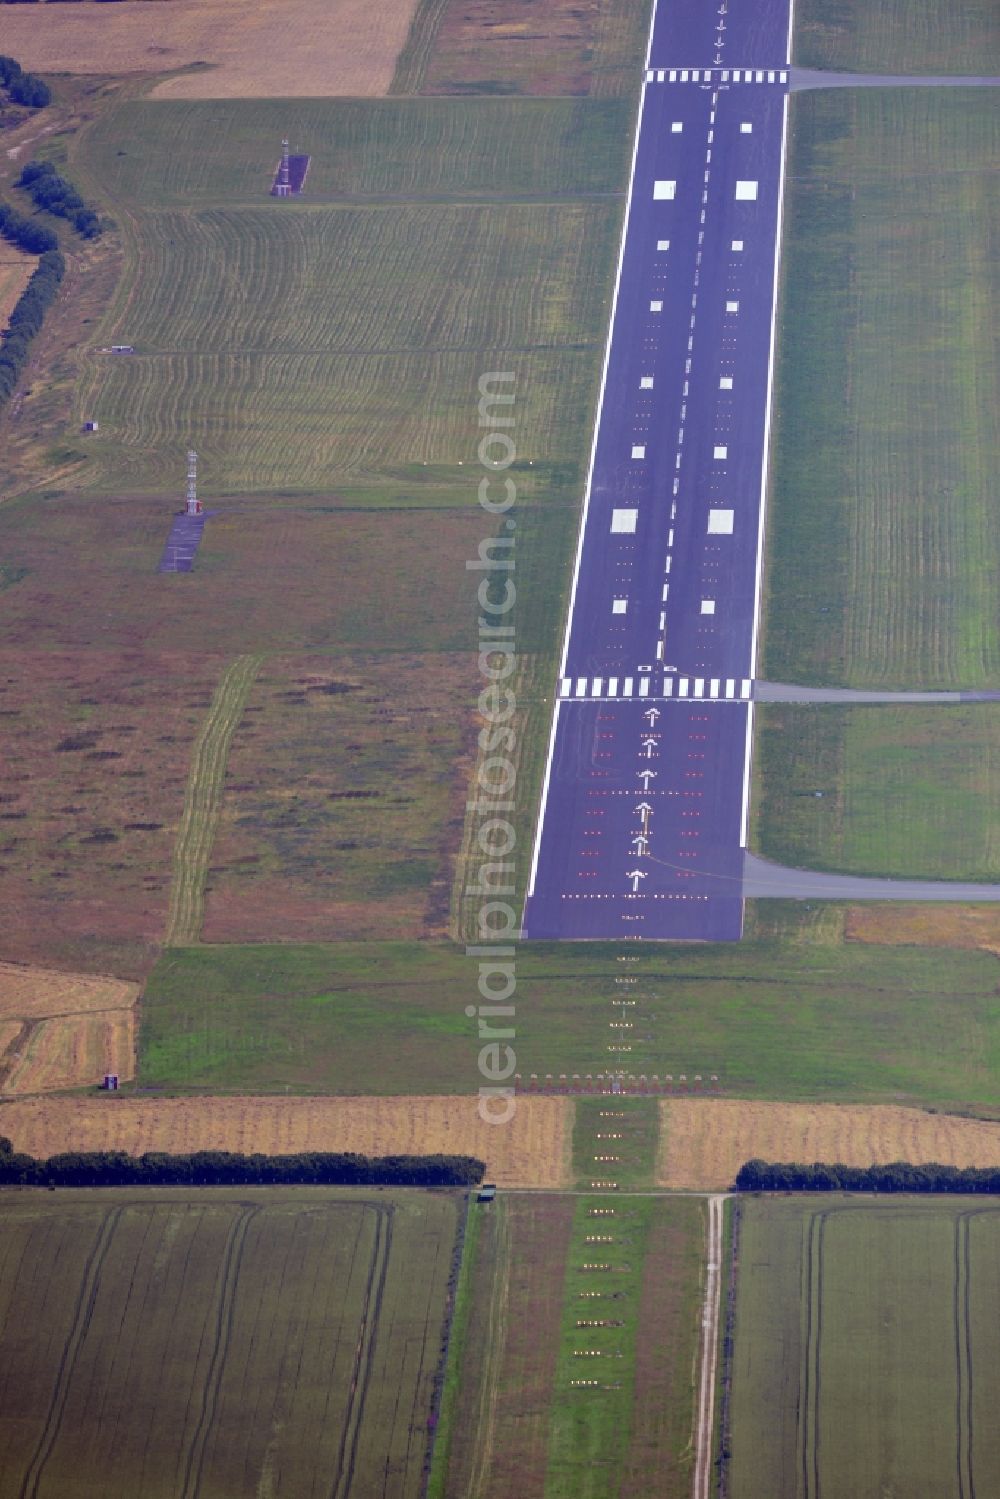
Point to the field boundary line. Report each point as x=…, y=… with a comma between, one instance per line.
x=83, y=1311
x=963, y=1361
x=705, y=1420
x=203, y=801
x=229, y=1274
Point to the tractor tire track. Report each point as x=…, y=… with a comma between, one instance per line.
x=813, y=1308
x=364, y=1357
x=203, y=801
x=82, y=1313
x=229, y=1274
x=963, y=1360
x=494, y=1345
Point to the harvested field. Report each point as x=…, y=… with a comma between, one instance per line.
x=705, y=1141
x=222, y=1342
x=344, y=800
x=97, y=752
x=72, y=1051
x=273, y=575
x=865, y=1358
x=312, y=49
x=15, y=273
x=925, y=926
x=532, y=1150
x=523, y=47
x=33, y=993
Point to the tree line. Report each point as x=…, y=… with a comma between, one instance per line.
x=55, y=195
x=899, y=1176
x=223, y=1168
x=22, y=87
x=31, y=306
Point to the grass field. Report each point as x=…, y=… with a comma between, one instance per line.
x=539, y=1320
x=866, y=1351
x=704, y=1141
x=898, y=36
x=160, y=1320
x=532, y=1150
x=794, y=1019
x=882, y=544
x=503, y=47
x=161, y=155
x=484, y=239
x=625, y=1128
x=903, y=791
x=344, y=800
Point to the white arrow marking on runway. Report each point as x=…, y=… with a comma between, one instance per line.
x=635, y=875
x=718, y=56
x=640, y=843
x=645, y=776
x=649, y=746
x=652, y=714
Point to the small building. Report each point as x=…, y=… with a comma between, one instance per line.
x=486, y=1192
x=110, y=1084
x=90, y=426
x=122, y=349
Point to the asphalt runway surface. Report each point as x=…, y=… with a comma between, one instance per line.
x=645, y=798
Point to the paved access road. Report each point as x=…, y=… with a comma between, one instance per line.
x=644, y=809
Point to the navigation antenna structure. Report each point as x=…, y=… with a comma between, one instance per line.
x=283, y=188
x=192, y=504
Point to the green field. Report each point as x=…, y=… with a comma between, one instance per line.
x=540, y=1319
x=249, y=1342
x=339, y=339
x=781, y=1017
x=898, y=36
x=866, y=1360
x=906, y=791
x=882, y=545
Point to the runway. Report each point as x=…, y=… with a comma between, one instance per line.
x=644, y=807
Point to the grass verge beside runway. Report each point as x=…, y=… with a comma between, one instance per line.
x=908, y=791
x=883, y=550
x=898, y=36
x=794, y=1019
x=866, y=1354
x=211, y=1287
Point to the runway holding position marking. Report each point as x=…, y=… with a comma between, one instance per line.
x=643, y=820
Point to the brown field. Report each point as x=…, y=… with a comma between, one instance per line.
x=96, y=751
x=535, y=47
x=273, y=49
x=704, y=1141
x=272, y=575
x=34, y=993
x=73, y=1051
x=532, y=1150
x=15, y=273
x=500, y=1429
x=925, y=926
x=344, y=801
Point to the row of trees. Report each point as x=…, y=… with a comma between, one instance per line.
x=223, y=1168
x=22, y=87
x=29, y=311
x=55, y=195
x=899, y=1176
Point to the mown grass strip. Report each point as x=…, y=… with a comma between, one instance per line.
x=203, y=801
